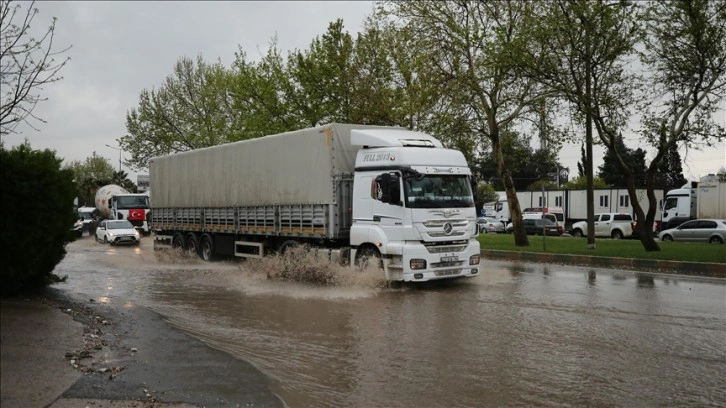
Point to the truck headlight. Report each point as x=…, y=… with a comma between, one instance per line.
x=417, y=264
x=474, y=259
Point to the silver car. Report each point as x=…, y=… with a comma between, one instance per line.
x=117, y=232
x=489, y=224
x=706, y=230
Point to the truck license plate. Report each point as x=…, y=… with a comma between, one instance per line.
x=449, y=258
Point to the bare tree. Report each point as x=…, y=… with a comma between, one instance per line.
x=27, y=64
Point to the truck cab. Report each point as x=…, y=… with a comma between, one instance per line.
x=413, y=207
x=679, y=205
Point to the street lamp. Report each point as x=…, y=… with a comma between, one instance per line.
x=119, y=156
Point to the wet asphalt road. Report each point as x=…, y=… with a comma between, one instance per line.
x=518, y=334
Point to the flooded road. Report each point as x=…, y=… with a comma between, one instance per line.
x=518, y=334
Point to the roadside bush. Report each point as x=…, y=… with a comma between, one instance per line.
x=36, y=209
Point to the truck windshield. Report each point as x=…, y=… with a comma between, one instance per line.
x=126, y=202
x=435, y=191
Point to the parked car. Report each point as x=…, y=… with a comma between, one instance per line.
x=534, y=216
x=489, y=225
x=117, y=232
x=705, y=230
x=613, y=225
x=535, y=227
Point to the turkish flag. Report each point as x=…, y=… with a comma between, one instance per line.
x=136, y=215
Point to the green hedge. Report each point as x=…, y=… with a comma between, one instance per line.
x=36, y=208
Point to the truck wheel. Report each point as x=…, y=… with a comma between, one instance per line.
x=617, y=234
x=206, y=248
x=192, y=244
x=368, y=255
x=177, y=242
x=577, y=233
x=715, y=240
x=289, y=244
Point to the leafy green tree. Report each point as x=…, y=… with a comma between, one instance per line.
x=323, y=75
x=485, y=193
x=121, y=178
x=670, y=170
x=37, y=211
x=264, y=92
x=580, y=183
x=611, y=172
x=469, y=43
x=89, y=175
x=685, y=55
x=539, y=185
x=581, y=163
x=190, y=110
x=587, y=44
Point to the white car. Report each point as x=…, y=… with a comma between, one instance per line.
x=117, y=232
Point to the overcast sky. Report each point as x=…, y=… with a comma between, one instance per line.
x=120, y=48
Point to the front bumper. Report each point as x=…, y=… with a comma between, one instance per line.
x=125, y=240
x=445, y=261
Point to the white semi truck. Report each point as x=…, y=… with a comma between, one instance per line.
x=116, y=203
x=705, y=198
x=353, y=192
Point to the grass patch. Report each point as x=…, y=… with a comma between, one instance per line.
x=623, y=248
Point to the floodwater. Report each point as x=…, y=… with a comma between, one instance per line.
x=518, y=334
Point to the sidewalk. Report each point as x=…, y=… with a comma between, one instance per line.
x=51, y=356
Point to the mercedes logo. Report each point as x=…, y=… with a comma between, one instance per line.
x=448, y=228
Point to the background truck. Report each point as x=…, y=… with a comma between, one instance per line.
x=705, y=198
x=116, y=203
x=353, y=192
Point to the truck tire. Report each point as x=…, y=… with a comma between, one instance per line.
x=177, y=242
x=289, y=244
x=368, y=255
x=577, y=233
x=192, y=244
x=616, y=234
x=206, y=248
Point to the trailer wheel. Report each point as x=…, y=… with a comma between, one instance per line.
x=368, y=255
x=177, y=242
x=206, y=248
x=289, y=244
x=192, y=244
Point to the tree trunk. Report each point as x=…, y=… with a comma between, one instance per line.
x=520, y=235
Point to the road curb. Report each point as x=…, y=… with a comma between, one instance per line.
x=701, y=269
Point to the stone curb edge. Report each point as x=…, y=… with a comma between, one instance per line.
x=701, y=269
